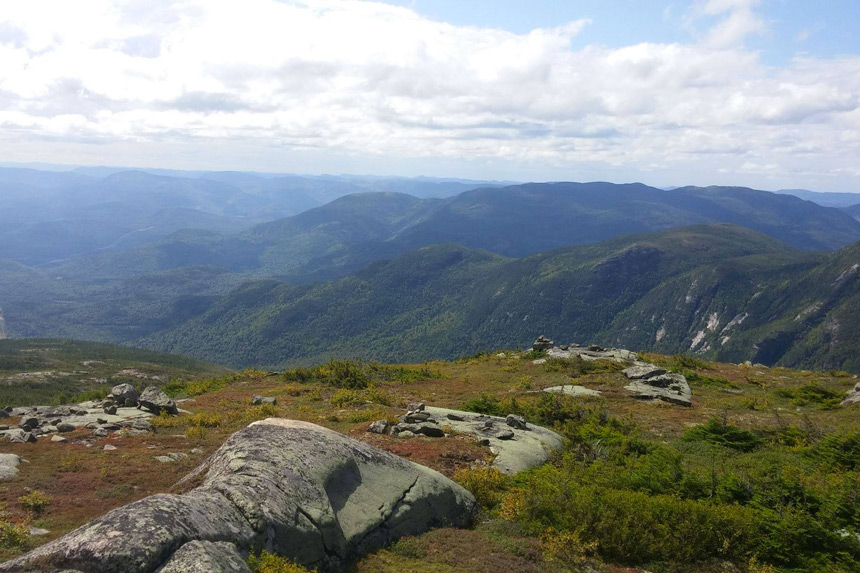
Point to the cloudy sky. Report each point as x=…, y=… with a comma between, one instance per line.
x=764, y=93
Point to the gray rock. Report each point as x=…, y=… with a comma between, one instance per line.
x=260, y=400
x=539, y=361
x=505, y=435
x=299, y=490
x=416, y=417
x=156, y=401
x=109, y=448
x=455, y=417
x=28, y=423
x=643, y=370
x=4, y=427
x=529, y=448
x=171, y=457
x=208, y=556
x=19, y=436
x=110, y=410
x=542, y=343
x=143, y=425
x=100, y=433
x=572, y=390
x=129, y=403
x=416, y=407
x=517, y=422
x=406, y=434
x=64, y=427
x=38, y=531
x=430, y=430
x=672, y=388
x=9, y=466
x=122, y=393
x=379, y=427
x=4, y=414
x=58, y=439
x=852, y=396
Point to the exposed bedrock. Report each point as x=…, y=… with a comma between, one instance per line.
x=293, y=488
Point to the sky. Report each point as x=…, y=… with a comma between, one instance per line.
x=760, y=93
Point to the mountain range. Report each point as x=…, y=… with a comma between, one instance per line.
x=726, y=272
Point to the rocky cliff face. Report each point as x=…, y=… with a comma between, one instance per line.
x=290, y=487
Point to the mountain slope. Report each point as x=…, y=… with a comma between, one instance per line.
x=444, y=300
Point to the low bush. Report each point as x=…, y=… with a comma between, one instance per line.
x=266, y=562
x=812, y=394
x=486, y=483
x=357, y=374
x=722, y=433
x=35, y=501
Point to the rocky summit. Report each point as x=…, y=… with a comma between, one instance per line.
x=293, y=488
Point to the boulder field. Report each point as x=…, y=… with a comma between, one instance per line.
x=293, y=488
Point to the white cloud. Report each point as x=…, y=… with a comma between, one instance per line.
x=265, y=78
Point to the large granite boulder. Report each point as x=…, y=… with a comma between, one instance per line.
x=156, y=401
x=290, y=487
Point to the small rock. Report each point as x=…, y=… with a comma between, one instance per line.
x=596, y=348
x=379, y=427
x=9, y=466
x=30, y=423
x=416, y=407
x=455, y=417
x=406, y=434
x=3, y=426
x=431, y=431
x=100, y=433
x=129, y=403
x=156, y=401
x=505, y=435
x=501, y=355
x=260, y=400
x=197, y=451
x=56, y=421
x=539, y=361
x=143, y=425
x=19, y=436
x=110, y=410
x=109, y=448
x=64, y=427
x=413, y=417
x=484, y=441
x=58, y=439
x=517, y=422
x=101, y=421
x=38, y=531
x=171, y=457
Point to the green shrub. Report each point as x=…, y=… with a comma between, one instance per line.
x=486, y=483
x=724, y=434
x=35, y=501
x=266, y=562
x=484, y=405
x=812, y=394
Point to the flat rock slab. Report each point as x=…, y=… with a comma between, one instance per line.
x=9, y=466
x=672, y=388
x=526, y=449
x=572, y=390
x=293, y=488
x=642, y=370
x=613, y=354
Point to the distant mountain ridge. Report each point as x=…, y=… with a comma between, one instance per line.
x=350, y=232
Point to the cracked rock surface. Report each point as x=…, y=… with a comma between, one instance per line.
x=293, y=488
